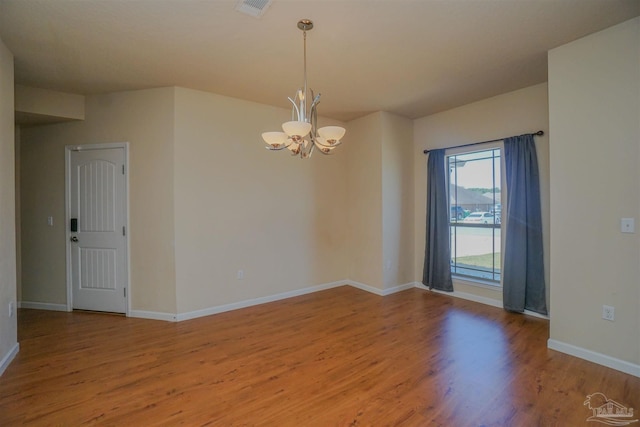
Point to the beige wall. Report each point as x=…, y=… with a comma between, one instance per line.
x=380, y=194
x=144, y=119
x=513, y=113
x=594, y=108
x=280, y=219
x=397, y=200
x=41, y=196
x=48, y=105
x=206, y=200
x=18, y=227
x=364, y=188
x=8, y=324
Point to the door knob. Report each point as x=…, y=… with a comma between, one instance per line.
x=74, y=238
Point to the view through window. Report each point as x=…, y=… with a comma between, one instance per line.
x=475, y=208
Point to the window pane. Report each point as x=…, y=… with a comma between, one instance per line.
x=474, y=253
x=476, y=214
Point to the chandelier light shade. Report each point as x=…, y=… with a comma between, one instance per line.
x=275, y=139
x=301, y=135
x=296, y=129
x=332, y=134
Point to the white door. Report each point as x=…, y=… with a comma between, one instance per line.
x=97, y=219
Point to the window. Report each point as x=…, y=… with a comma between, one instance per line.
x=475, y=207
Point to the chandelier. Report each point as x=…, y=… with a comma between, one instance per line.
x=301, y=135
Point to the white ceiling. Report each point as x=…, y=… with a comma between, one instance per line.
x=412, y=58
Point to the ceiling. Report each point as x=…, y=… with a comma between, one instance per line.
x=412, y=58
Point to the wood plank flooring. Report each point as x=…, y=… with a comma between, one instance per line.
x=341, y=357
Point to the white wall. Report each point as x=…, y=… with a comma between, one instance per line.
x=513, y=113
x=8, y=322
x=280, y=219
x=594, y=108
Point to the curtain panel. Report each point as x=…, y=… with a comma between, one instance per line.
x=523, y=270
x=437, y=258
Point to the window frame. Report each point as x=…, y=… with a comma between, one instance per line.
x=456, y=151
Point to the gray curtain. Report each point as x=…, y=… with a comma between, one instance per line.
x=437, y=257
x=523, y=270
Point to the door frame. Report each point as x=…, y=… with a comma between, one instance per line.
x=67, y=203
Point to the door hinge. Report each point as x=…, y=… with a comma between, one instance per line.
x=125, y=292
x=122, y=169
x=124, y=231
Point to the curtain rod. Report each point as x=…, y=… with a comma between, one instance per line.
x=539, y=133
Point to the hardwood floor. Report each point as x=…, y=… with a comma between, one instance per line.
x=341, y=357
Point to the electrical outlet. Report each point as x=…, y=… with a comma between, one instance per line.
x=240, y=275
x=608, y=312
x=627, y=225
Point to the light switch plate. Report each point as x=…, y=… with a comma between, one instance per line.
x=627, y=225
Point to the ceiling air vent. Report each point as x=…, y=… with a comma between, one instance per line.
x=255, y=8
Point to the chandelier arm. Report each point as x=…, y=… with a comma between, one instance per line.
x=311, y=109
x=302, y=112
x=314, y=114
x=316, y=100
x=313, y=146
x=314, y=117
x=295, y=108
x=314, y=124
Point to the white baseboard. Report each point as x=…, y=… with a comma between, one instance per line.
x=256, y=301
x=290, y=294
x=153, y=315
x=378, y=291
x=362, y=286
x=534, y=314
x=398, y=288
x=133, y=313
x=284, y=295
x=8, y=358
x=592, y=356
x=42, y=306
